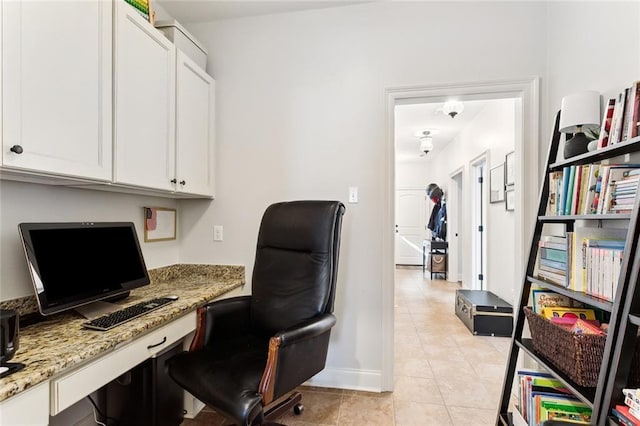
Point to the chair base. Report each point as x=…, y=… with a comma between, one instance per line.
x=277, y=410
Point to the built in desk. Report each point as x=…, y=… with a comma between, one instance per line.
x=65, y=362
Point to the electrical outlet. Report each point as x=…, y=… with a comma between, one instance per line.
x=217, y=233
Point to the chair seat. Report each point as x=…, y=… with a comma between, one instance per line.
x=226, y=376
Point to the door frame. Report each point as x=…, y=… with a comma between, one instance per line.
x=526, y=91
x=454, y=210
x=476, y=197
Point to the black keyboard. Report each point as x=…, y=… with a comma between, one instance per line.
x=108, y=321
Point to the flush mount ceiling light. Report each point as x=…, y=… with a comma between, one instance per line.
x=453, y=108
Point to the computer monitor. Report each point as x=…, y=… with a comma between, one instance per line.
x=75, y=264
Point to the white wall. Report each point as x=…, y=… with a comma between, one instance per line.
x=301, y=107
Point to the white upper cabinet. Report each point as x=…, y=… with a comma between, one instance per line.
x=56, y=83
x=195, y=118
x=144, y=80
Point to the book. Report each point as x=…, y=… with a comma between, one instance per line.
x=554, y=254
x=634, y=122
x=615, y=179
x=583, y=327
x=590, y=189
x=566, y=172
x=616, y=121
x=542, y=298
x=570, y=190
x=557, y=311
x=605, y=128
x=552, y=201
x=629, y=123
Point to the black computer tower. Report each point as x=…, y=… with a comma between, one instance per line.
x=145, y=395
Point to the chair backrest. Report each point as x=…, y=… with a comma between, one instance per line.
x=294, y=275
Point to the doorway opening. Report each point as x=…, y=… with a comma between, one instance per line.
x=525, y=95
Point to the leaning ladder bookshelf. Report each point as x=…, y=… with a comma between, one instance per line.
x=624, y=309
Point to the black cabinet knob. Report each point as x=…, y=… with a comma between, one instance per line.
x=183, y=182
x=174, y=180
x=17, y=149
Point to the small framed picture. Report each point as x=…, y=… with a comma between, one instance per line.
x=510, y=199
x=160, y=224
x=509, y=172
x=496, y=184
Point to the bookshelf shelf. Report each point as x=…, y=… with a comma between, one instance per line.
x=581, y=297
x=586, y=395
x=546, y=255
x=627, y=147
x=573, y=218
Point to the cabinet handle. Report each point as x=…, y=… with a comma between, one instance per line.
x=183, y=182
x=174, y=180
x=158, y=344
x=17, y=149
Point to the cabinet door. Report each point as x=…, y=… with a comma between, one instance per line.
x=144, y=81
x=56, y=72
x=195, y=93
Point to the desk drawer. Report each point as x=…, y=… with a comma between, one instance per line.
x=72, y=387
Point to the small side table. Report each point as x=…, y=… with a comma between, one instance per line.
x=432, y=247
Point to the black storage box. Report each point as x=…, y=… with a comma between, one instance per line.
x=484, y=313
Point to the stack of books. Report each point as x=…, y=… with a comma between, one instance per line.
x=542, y=397
x=553, y=259
x=628, y=413
x=623, y=192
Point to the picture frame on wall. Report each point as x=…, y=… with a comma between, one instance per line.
x=496, y=184
x=510, y=199
x=509, y=170
x=160, y=224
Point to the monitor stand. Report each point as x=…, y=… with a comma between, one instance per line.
x=100, y=307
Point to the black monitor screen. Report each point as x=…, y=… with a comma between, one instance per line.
x=72, y=264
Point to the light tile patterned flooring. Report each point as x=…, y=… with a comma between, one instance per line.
x=443, y=374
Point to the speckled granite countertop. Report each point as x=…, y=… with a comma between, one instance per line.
x=49, y=348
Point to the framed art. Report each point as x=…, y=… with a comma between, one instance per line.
x=509, y=172
x=496, y=184
x=159, y=224
x=510, y=199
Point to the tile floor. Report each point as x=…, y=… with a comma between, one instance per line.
x=443, y=374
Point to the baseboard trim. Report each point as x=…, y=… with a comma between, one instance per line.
x=347, y=378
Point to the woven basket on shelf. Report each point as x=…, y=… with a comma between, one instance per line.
x=579, y=356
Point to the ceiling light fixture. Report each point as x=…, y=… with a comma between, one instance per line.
x=426, y=142
x=453, y=108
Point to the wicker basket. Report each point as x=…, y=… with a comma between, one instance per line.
x=579, y=356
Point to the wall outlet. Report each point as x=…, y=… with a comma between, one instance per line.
x=217, y=233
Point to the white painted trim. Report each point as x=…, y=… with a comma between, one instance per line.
x=348, y=378
x=484, y=159
x=526, y=146
x=454, y=222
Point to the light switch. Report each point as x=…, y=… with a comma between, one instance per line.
x=353, y=194
x=217, y=233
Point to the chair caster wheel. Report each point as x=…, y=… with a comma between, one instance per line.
x=298, y=409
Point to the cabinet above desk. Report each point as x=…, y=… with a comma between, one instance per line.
x=60, y=352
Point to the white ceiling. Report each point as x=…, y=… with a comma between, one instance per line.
x=185, y=11
x=414, y=118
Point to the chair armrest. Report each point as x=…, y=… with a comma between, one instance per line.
x=295, y=355
x=311, y=328
x=221, y=319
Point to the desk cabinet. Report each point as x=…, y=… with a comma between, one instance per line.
x=29, y=408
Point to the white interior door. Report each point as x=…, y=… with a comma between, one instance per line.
x=479, y=214
x=411, y=206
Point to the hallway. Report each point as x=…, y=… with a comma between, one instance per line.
x=443, y=374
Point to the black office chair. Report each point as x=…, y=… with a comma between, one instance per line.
x=251, y=351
